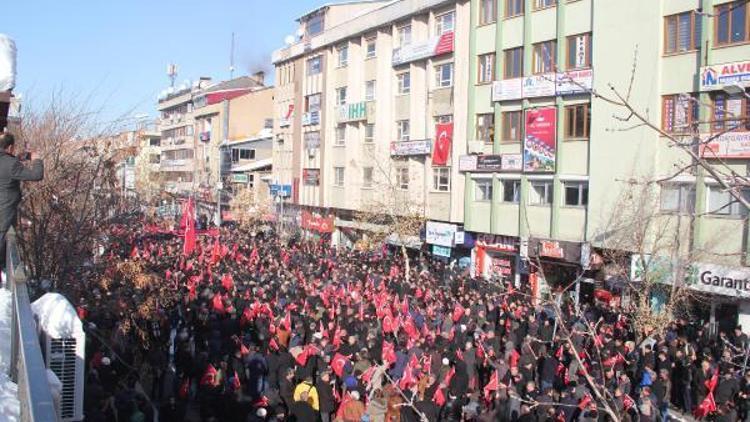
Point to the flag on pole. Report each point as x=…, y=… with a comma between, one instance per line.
x=189, y=221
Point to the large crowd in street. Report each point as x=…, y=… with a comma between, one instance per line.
x=268, y=328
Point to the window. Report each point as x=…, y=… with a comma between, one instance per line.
x=445, y=118
x=541, y=4
x=731, y=111
x=367, y=177
x=444, y=75
x=512, y=191
x=313, y=65
x=370, y=48
x=486, y=68
x=340, y=135
x=513, y=8
x=513, y=63
x=483, y=190
x=314, y=25
x=682, y=32
x=441, y=179
x=487, y=12
x=338, y=176
x=154, y=158
x=540, y=193
x=250, y=181
x=312, y=140
x=312, y=103
x=679, y=112
x=731, y=22
x=369, y=132
x=154, y=142
x=242, y=154
x=445, y=23
x=577, y=121
x=721, y=202
x=486, y=128
x=545, y=57
x=576, y=194
x=579, y=51
x=404, y=35
x=402, y=178
x=370, y=90
x=341, y=96
x=677, y=197
x=512, y=126
x=402, y=130
x=404, y=82
x=343, y=55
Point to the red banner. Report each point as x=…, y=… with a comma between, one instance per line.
x=316, y=222
x=539, y=147
x=443, y=141
x=445, y=44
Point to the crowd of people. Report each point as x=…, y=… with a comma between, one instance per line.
x=256, y=327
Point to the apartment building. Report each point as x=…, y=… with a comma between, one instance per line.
x=177, y=160
x=372, y=108
x=548, y=163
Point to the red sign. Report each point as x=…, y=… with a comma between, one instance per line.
x=497, y=242
x=289, y=111
x=551, y=249
x=316, y=222
x=445, y=44
x=539, y=147
x=443, y=139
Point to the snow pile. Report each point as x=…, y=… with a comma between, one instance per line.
x=9, y=406
x=7, y=63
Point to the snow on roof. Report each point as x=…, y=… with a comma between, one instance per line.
x=56, y=316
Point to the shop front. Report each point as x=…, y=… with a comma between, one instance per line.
x=448, y=241
x=316, y=225
x=496, y=257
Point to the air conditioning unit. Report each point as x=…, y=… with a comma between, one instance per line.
x=476, y=147
x=63, y=346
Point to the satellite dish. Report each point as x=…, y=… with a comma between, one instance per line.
x=300, y=33
x=289, y=40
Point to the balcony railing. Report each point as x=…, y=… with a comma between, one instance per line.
x=27, y=365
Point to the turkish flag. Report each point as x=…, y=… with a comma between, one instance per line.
x=389, y=354
x=338, y=363
x=458, y=312
x=443, y=140
x=209, y=377
x=491, y=386
x=189, y=222
x=408, y=379
x=227, y=282
x=439, y=397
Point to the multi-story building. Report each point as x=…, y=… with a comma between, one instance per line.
x=548, y=163
x=178, y=145
x=361, y=99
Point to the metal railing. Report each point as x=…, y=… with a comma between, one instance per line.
x=27, y=367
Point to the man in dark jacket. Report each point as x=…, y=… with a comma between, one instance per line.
x=12, y=172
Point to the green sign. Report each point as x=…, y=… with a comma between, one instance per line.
x=443, y=251
x=239, y=178
x=352, y=112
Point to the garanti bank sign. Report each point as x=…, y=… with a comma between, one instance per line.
x=698, y=276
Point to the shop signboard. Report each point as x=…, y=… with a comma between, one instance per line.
x=441, y=234
x=539, y=147
x=459, y=238
x=512, y=162
x=719, y=76
x=311, y=177
x=507, y=89
x=551, y=249
x=443, y=251
x=497, y=242
x=543, y=85
x=467, y=162
x=431, y=47
x=575, y=81
x=726, y=145
x=406, y=148
x=311, y=118
x=286, y=118
x=700, y=277
x=501, y=264
x=239, y=178
x=316, y=222
x=352, y=112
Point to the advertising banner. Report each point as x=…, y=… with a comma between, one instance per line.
x=286, y=118
x=311, y=177
x=539, y=146
x=507, y=89
x=575, y=81
x=512, y=162
x=352, y=112
x=404, y=148
x=434, y=46
x=727, y=145
x=718, y=76
x=441, y=234
x=539, y=85
x=443, y=251
x=490, y=163
x=467, y=162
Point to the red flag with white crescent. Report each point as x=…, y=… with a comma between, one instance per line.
x=443, y=140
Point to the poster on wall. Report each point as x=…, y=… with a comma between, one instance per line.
x=539, y=146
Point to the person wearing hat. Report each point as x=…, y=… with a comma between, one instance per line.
x=327, y=403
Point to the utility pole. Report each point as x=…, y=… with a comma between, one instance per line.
x=220, y=173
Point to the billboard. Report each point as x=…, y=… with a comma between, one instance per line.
x=718, y=76
x=419, y=50
x=726, y=145
x=539, y=146
x=405, y=148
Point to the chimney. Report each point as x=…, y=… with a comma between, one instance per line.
x=260, y=77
